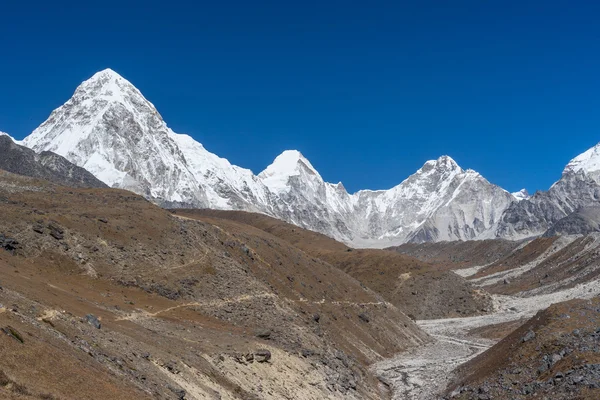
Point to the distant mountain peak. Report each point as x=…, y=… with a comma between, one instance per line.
x=107, y=85
x=588, y=161
x=109, y=128
x=522, y=194
x=443, y=163
x=107, y=72
x=287, y=164
x=105, y=77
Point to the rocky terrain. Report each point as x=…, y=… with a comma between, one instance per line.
x=584, y=220
x=554, y=355
x=45, y=165
x=133, y=301
x=136, y=301
x=421, y=290
x=459, y=254
x=524, y=278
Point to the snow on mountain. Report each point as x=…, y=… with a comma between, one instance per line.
x=110, y=129
x=578, y=188
x=522, y=194
x=288, y=164
x=588, y=162
x=227, y=186
x=441, y=201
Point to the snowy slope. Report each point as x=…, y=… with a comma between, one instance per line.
x=227, y=186
x=588, y=162
x=522, y=194
x=110, y=129
x=577, y=188
x=441, y=201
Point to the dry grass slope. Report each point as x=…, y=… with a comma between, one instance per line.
x=419, y=289
x=184, y=305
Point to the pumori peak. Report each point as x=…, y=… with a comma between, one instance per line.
x=109, y=128
x=109, y=85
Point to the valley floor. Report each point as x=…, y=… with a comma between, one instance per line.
x=423, y=373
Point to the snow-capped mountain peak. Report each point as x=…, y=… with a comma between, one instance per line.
x=588, y=162
x=443, y=163
x=112, y=87
x=109, y=128
x=288, y=164
x=446, y=163
x=522, y=194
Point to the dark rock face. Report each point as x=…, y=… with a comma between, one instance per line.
x=583, y=221
x=46, y=165
x=263, y=334
x=179, y=393
x=364, y=317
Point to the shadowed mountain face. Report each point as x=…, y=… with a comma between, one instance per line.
x=581, y=222
x=46, y=165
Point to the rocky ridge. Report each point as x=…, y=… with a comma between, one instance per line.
x=45, y=165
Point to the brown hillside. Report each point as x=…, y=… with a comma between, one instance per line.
x=419, y=289
x=555, y=355
x=455, y=255
x=184, y=305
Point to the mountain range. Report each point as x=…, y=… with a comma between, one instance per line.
x=111, y=130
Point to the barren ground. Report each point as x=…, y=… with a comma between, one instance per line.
x=423, y=373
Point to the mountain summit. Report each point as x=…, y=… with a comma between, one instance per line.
x=587, y=162
x=109, y=128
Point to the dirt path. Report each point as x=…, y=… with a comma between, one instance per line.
x=422, y=373
x=143, y=314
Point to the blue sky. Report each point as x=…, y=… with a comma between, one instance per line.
x=367, y=92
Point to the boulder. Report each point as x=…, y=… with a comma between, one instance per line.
x=93, y=320
x=262, y=355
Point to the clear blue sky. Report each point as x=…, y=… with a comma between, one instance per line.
x=368, y=92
